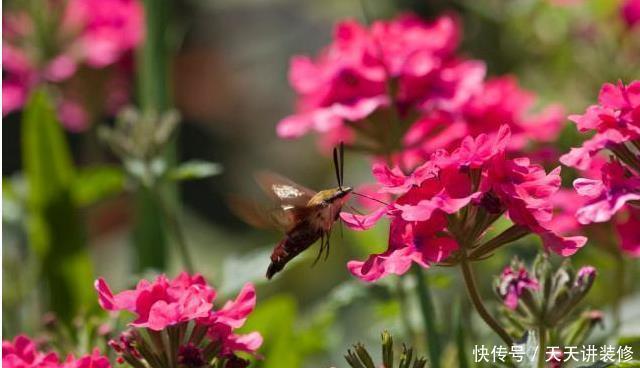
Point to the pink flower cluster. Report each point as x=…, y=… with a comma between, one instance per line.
x=403, y=77
x=164, y=303
x=448, y=202
x=23, y=353
x=615, y=192
x=95, y=33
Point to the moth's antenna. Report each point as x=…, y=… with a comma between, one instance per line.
x=341, y=164
x=371, y=198
x=336, y=166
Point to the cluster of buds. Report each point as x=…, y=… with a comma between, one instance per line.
x=359, y=357
x=547, y=298
x=177, y=326
x=140, y=139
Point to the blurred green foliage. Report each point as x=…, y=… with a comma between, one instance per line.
x=55, y=233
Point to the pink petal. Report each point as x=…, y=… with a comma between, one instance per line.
x=363, y=222
x=234, y=313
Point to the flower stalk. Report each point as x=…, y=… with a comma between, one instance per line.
x=476, y=299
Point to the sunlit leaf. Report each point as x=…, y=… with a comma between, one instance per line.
x=194, y=169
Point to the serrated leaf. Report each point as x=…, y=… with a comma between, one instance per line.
x=96, y=183
x=194, y=169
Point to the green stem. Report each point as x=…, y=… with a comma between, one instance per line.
x=542, y=346
x=620, y=282
x=172, y=221
x=152, y=60
x=404, y=310
x=474, y=295
x=428, y=314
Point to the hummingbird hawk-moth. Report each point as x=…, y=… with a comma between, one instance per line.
x=303, y=215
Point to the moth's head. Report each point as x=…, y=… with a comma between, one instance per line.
x=331, y=196
x=338, y=194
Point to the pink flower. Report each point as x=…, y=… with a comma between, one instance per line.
x=409, y=242
x=349, y=80
x=185, y=299
x=501, y=101
x=514, y=283
x=94, y=360
x=96, y=33
x=163, y=302
x=477, y=178
x=108, y=28
x=617, y=109
x=607, y=196
x=628, y=232
x=231, y=316
x=630, y=12
x=616, y=120
x=22, y=353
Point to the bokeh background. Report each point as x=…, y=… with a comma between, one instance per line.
x=228, y=62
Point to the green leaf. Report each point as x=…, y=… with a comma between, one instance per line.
x=96, y=183
x=275, y=319
x=194, y=169
x=54, y=229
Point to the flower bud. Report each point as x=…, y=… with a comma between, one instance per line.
x=586, y=277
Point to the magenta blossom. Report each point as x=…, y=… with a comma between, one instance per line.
x=514, y=283
x=187, y=299
x=476, y=179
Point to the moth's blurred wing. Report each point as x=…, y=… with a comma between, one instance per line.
x=261, y=216
x=286, y=193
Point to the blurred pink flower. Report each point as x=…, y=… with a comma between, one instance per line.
x=349, y=80
x=630, y=12
x=402, y=78
x=93, y=360
x=22, y=353
x=108, y=28
x=95, y=33
x=513, y=283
